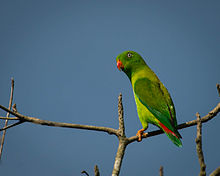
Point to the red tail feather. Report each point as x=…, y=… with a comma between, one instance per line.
x=167, y=130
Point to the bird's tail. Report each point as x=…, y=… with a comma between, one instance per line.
x=174, y=136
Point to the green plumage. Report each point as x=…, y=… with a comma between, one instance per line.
x=153, y=101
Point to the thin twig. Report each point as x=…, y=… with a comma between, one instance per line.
x=161, y=170
x=12, y=125
x=6, y=121
x=9, y=118
x=216, y=172
x=199, y=146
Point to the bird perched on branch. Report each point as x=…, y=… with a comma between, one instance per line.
x=153, y=101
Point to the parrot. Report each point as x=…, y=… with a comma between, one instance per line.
x=153, y=101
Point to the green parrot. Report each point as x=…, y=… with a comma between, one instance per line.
x=153, y=101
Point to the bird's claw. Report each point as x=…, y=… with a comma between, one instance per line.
x=139, y=134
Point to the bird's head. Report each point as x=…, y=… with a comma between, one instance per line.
x=129, y=61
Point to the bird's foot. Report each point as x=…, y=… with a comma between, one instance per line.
x=140, y=133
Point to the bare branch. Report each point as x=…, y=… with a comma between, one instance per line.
x=6, y=121
x=119, y=157
x=161, y=170
x=12, y=125
x=9, y=118
x=60, y=124
x=216, y=172
x=121, y=116
x=204, y=119
x=123, y=141
x=199, y=146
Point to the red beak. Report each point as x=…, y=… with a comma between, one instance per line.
x=120, y=65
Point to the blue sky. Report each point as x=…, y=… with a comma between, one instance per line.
x=62, y=56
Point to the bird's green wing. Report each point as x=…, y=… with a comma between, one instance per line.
x=156, y=98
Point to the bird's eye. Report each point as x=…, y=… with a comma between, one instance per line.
x=129, y=55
